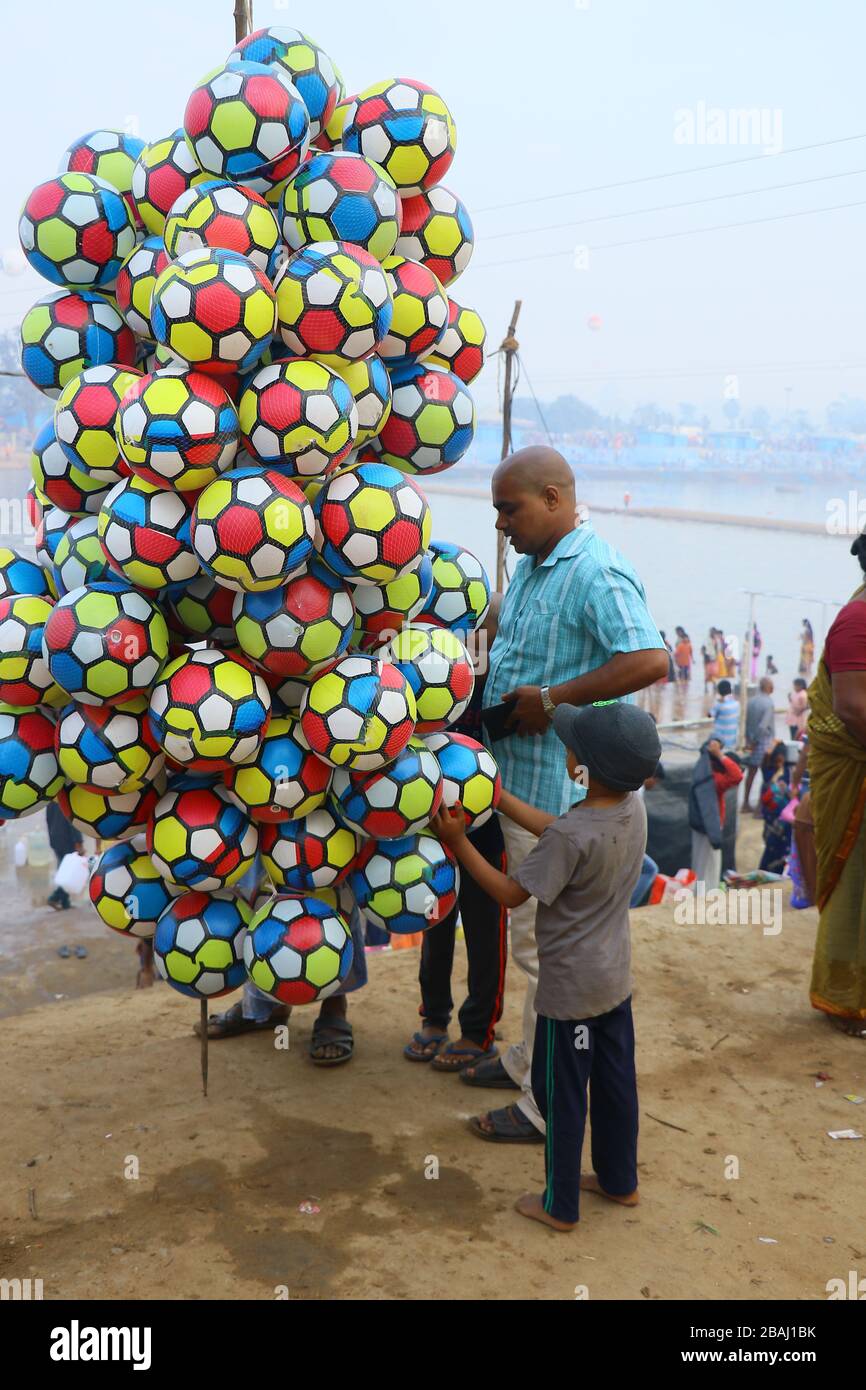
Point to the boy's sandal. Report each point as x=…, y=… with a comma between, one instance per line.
x=64, y=951
x=332, y=1032
x=454, y=1058
x=433, y=1043
x=232, y=1023
x=490, y=1074
x=510, y=1126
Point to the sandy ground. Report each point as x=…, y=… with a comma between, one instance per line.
x=97, y=1079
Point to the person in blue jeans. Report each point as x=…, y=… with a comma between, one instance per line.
x=581, y=874
x=332, y=1042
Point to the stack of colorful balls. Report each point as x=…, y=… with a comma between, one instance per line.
x=238, y=643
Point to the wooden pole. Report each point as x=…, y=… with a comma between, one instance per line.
x=510, y=347
x=204, y=1041
x=243, y=19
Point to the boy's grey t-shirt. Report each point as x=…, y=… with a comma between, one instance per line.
x=583, y=872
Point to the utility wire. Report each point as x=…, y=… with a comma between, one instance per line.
x=669, y=236
x=670, y=207
x=669, y=174
x=525, y=373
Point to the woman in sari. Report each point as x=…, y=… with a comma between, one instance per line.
x=837, y=770
x=775, y=795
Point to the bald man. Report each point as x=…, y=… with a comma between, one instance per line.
x=574, y=629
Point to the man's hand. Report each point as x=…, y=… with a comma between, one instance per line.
x=449, y=825
x=529, y=715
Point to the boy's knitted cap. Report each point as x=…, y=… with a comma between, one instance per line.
x=615, y=742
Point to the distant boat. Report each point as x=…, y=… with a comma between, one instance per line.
x=787, y=487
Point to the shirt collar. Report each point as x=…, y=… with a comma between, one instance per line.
x=569, y=545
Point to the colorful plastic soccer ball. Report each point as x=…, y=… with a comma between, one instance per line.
x=290, y=693
x=406, y=885
x=298, y=949
x=108, y=817
x=164, y=170
x=287, y=781
x=470, y=775
x=461, y=348
x=309, y=67
x=109, y=749
x=55, y=521
x=437, y=231
x=68, y=331
x=303, y=855
x=439, y=671
x=291, y=630
x=359, y=716
x=25, y=679
x=209, y=712
x=29, y=774
x=333, y=301
x=199, y=838
x=76, y=230
x=110, y=155
x=79, y=558
x=136, y=278
x=460, y=593
x=145, y=533
x=214, y=310
x=373, y=524
x=396, y=801
x=201, y=609
x=370, y=383
x=178, y=429
x=84, y=420
x=252, y=530
x=20, y=575
x=420, y=312
x=300, y=416
x=220, y=213
x=247, y=122
x=199, y=942
x=432, y=421
x=69, y=489
x=330, y=137
x=381, y=611
x=128, y=891
x=341, y=197
x=407, y=128
x=105, y=643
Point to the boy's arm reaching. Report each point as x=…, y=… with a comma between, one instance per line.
x=450, y=827
x=529, y=817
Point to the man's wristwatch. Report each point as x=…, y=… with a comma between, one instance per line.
x=546, y=701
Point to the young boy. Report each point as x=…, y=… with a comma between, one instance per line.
x=725, y=714
x=582, y=872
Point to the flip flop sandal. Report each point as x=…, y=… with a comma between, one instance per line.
x=510, y=1126
x=232, y=1023
x=64, y=952
x=81, y=952
x=332, y=1032
x=412, y=1056
x=490, y=1074
x=460, y=1057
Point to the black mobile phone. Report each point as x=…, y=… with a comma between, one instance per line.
x=495, y=720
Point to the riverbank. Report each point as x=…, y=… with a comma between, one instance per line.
x=687, y=514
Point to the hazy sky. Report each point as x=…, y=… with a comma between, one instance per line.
x=560, y=96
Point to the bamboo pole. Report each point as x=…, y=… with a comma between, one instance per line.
x=510, y=347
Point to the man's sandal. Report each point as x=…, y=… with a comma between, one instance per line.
x=490, y=1074
x=510, y=1126
x=455, y=1057
x=332, y=1032
x=232, y=1023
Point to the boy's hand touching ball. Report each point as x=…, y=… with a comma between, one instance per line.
x=449, y=825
